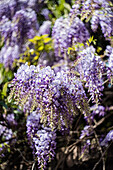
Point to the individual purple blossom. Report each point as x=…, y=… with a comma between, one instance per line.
x=108, y=138
x=98, y=110
x=45, y=12
x=45, y=28
x=85, y=132
x=6, y=135
x=11, y=119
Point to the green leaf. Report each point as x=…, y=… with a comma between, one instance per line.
x=35, y=58
x=69, y=49
x=40, y=48
x=67, y=6
x=1, y=146
x=46, y=40
x=99, y=49
x=44, y=36
x=91, y=39
x=4, y=91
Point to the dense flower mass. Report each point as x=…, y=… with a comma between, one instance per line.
x=8, y=8
x=98, y=12
x=8, y=54
x=91, y=69
x=15, y=29
x=57, y=97
x=105, y=22
x=73, y=31
x=60, y=37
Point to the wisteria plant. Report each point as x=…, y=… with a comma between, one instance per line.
x=60, y=97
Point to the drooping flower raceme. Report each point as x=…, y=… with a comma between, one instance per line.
x=8, y=8
x=67, y=32
x=15, y=31
x=60, y=35
x=108, y=138
x=55, y=97
x=109, y=53
x=8, y=54
x=42, y=140
x=104, y=20
x=98, y=12
x=91, y=68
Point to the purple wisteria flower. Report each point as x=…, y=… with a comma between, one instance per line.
x=98, y=12
x=8, y=54
x=91, y=69
x=45, y=146
x=108, y=138
x=6, y=135
x=33, y=124
x=85, y=132
x=109, y=52
x=42, y=140
x=7, y=8
x=15, y=31
x=60, y=35
x=45, y=28
x=98, y=110
x=55, y=96
x=105, y=21
x=45, y=12
x=67, y=32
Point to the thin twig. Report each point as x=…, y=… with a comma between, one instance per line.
x=33, y=166
x=101, y=157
